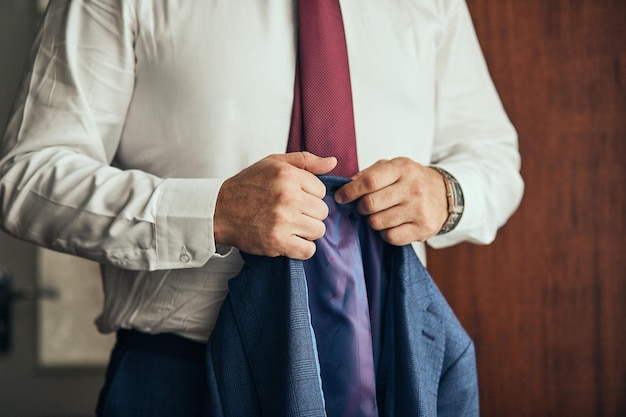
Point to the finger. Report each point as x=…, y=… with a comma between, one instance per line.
x=312, y=185
x=289, y=236
x=375, y=178
x=379, y=200
x=313, y=207
x=309, y=162
x=399, y=229
x=318, y=165
x=309, y=228
x=299, y=248
x=387, y=219
x=401, y=235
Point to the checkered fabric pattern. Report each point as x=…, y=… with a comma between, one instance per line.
x=262, y=358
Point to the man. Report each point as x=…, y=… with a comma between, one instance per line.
x=141, y=135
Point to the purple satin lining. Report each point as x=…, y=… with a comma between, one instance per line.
x=346, y=286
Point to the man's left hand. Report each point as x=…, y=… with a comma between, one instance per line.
x=402, y=199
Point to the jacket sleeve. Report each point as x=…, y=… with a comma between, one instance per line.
x=475, y=140
x=58, y=187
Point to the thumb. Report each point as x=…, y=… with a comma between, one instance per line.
x=309, y=162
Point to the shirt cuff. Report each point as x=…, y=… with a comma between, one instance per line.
x=184, y=223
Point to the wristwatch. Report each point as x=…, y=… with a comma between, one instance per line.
x=456, y=204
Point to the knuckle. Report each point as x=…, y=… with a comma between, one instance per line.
x=368, y=203
x=403, y=163
x=324, y=210
x=320, y=230
x=393, y=237
x=307, y=251
x=283, y=172
x=320, y=189
x=281, y=218
x=370, y=182
x=375, y=222
x=304, y=157
x=386, y=236
x=274, y=239
x=397, y=236
x=404, y=166
x=283, y=199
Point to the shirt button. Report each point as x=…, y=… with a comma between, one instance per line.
x=185, y=258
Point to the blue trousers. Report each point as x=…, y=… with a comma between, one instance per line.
x=154, y=376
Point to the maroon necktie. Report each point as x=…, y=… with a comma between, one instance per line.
x=322, y=121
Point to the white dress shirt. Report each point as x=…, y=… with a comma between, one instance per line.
x=135, y=111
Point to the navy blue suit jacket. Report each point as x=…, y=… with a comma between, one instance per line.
x=262, y=356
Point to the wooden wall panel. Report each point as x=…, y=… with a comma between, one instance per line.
x=546, y=303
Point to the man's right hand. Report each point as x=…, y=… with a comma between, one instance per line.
x=274, y=207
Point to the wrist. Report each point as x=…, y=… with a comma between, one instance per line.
x=456, y=203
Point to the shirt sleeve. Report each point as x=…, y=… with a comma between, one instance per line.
x=58, y=187
x=475, y=141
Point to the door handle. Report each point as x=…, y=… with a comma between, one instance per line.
x=9, y=295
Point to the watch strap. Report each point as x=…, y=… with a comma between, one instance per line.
x=456, y=203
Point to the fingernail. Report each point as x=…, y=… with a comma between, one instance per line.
x=339, y=198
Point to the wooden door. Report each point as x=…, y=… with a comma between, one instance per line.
x=546, y=303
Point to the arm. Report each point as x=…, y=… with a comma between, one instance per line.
x=58, y=187
x=474, y=141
